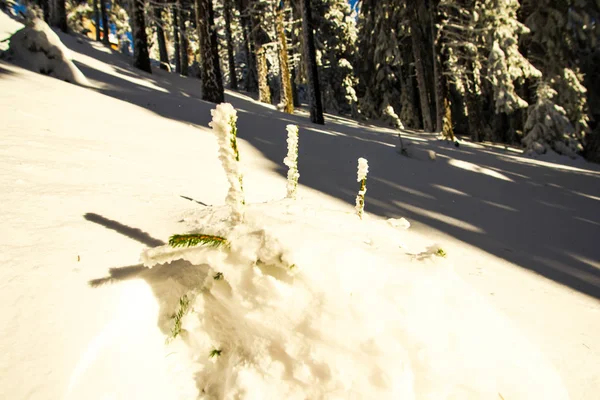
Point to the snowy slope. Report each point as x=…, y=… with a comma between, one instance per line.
x=85, y=191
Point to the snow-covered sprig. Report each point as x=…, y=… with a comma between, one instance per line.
x=363, y=170
x=292, y=161
x=224, y=118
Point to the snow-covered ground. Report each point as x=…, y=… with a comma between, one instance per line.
x=92, y=178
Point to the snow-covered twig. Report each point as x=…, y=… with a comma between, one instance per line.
x=292, y=161
x=224, y=126
x=363, y=170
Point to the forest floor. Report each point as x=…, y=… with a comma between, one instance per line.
x=92, y=176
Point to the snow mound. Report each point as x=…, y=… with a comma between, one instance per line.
x=304, y=302
x=38, y=48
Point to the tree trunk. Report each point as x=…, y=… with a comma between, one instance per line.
x=264, y=93
x=97, y=20
x=295, y=98
x=212, y=81
x=160, y=36
x=104, y=22
x=251, y=75
x=176, y=38
x=141, y=59
x=184, y=40
x=45, y=4
x=232, y=73
x=438, y=83
x=476, y=126
x=417, y=44
x=286, y=84
x=310, y=57
x=61, y=16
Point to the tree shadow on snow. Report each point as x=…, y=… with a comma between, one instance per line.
x=541, y=216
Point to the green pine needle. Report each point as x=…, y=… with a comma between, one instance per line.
x=440, y=252
x=218, y=276
x=215, y=353
x=194, y=239
x=184, y=305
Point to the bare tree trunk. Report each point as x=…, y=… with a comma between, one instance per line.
x=438, y=85
x=286, y=84
x=232, y=73
x=212, y=81
x=251, y=76
x=141, y=59
x=476, y=125
x=417, y=44
x=104, y=22
x=61, y=16
x=183, y=16
x=264, y=93
x=97, y=19
x=174, y=13
x=160, y=35
x=310, y=57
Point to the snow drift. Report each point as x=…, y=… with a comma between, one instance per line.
x=305, y=302
x=38, y=48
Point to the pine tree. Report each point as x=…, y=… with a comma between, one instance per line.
x=383, y=69
x=212, y=82
x=335, y=40
x=548, y=127
x=141, y=58
x=553, y=46
x=310, y=60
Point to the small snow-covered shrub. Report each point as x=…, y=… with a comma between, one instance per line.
x=291, y=161
x=224, y=126
x=38, y=48
x=547, y=126
x=363, y=170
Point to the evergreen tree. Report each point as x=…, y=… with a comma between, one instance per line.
x=61, y=15
x=335, y=40
x=310, y=60
x=212, y=82
x=141, y=58
x=554, y=45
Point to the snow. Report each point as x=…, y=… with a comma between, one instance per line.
x=311, y=310
x=87, y=194
x=38, y=48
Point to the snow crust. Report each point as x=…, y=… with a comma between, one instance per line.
x=38, y=48
x=315, y=303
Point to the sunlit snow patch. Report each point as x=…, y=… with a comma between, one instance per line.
x=312, y=303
